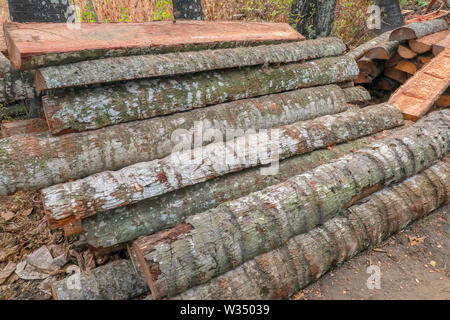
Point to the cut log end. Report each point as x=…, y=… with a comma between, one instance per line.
x=418, y=46
x=406, y=52
x=39, y=81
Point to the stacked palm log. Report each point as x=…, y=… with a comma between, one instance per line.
x=203, y=147
x=391, y=59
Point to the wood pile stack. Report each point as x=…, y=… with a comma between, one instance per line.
x=135, y=156
x=390, y=60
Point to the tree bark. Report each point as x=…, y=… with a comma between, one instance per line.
x=117, y=280
x=357, y=95
x=94, y=108
x=38, y=11
x=121, y=225
x=38, y=45
x=15, y=85
x=28, y=163
x=372, y=67
x=112, y=189
x=391, y=14
x=418, y=30
x=188, y=9
x=384, y=50
x=305, y=258
x=361, y=50
x=23, y=127
x=170, y=64
x=313, y=18
x=223, y=238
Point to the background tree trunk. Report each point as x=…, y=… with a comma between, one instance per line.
x=391, y=15
x=39, y=11
x=188, y=9
x=313, y=18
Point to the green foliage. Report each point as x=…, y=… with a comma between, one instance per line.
x=89, y=14
x=124, y=17
x=162, y=10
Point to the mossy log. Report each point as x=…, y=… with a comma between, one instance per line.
x=94, y=108
x=221, y=239
x=418, y=29
x=305, y=258
x=361, y=50
x=170, y=64
x=35, y=45
x=117, y=280
x=15, y=85
x=28, y=163
x=357, y=95
x=114, y=227
x=112, y=189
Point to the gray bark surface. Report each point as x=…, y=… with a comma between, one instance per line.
x=391, y=14
x=170, y=64
x=418, y=29
x=221, y=239
x=357, y=95
x=305, y=258
x=15, y=85
x=313, y=18
x=94, y=108
x=39, y=162
x=361, y=50
x=113, y=189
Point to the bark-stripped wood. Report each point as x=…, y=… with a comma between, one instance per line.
x=418, y=30
x=117, y=280
x=392, y=62
x=11, y=128
x=34, y=45
x=305, y=258
x=121, y=225
x=384, y=50
x=361, y=50
x=396, y=75
x=432, y=39
x=112, y=189
x=357, y=95
x=94, y=108
x=441, y=45
x=418, y=46
x=363, y=78
x=170, y=64
x=424, y=59
x=28, y=163
x=15, y=85
x=405, y=52
x=444, y=99
x=221, y=239
x=420, y=92
x=410, y=67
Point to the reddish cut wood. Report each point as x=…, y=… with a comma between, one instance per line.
x=396, y=75
x=444, y=100
x=422, y=90
x=23, y=127
x=406, y=52
x=433, y=38
x=407, y=66
x=441, y=45
x=95, y=40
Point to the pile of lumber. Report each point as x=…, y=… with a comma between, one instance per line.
x=138, y=154
x=390, y=60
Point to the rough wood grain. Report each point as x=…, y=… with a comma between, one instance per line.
x=11, y=128
x=371, y=67
x=28, y=163
x=431, y=39
x=418, y=30
x=34, y=45
x=113, y=227
x=305, y=258
x=417, y=95
x=135, y=100
x=396, y=75
x=384, y=50
x=112, y=189
x=117, y=280
x=405, y=52
x=357, y=95
x=221, y=239
x=170, y=64
x=418, y=46
x=410, y=67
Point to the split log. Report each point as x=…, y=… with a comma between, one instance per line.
x=422, y=90
x=117, y=280
x=305, y=258
x=444, y=100
x=392, y=62
x=410, y=67
x=28, y=163
x=112, y=189
x=170, y=64
x=357, y=95
x=397, y=75
x=424, y=59
x=432, y=39
x=363, y=78
x=418, y=47
x=441, y=45
x=114, y=227
x=385, y=50
x=361, y=50
x=94, y=108
x=15, y=85
x=11, y=128
x=221, y=239
x=418, y=30
x=386, y=84
x=371, y=67
x=35, y=45
x=405, y=52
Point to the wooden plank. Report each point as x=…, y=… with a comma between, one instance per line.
x=422, y=90
x=34, y=45
x=12, y=128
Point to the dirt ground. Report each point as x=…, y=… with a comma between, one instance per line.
x=413, y=265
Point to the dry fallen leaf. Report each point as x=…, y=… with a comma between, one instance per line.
x=8, y=215
x=414, y=241
x=26, y=212
x=7, y=271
